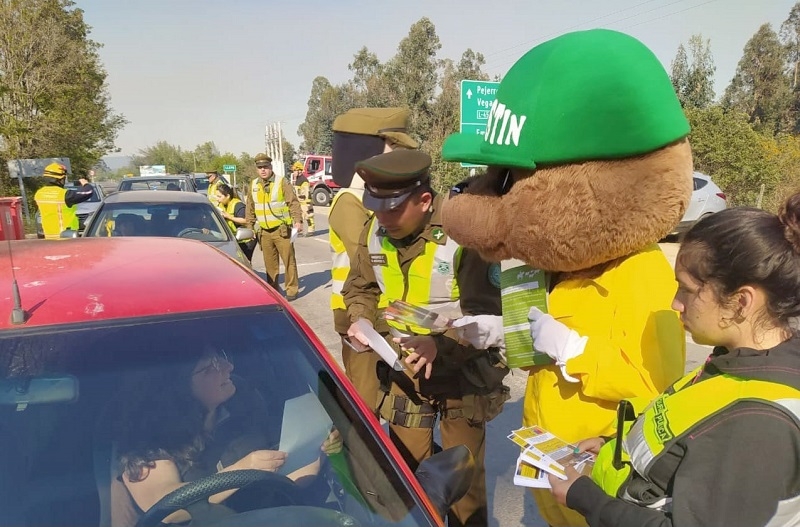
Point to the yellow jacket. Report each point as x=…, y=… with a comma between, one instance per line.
x=636, y=346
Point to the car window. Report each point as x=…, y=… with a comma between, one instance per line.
x=313, y=166
x=83, y=409
x=197, y=221
x=201, y=182
x=328, y=167
x=699, y=183
x=96, y=197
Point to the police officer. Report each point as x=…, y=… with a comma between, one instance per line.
x=213, y=182
x=358, y=134
x=57, y=204
x=303, y=190
x=272, y=209
x=405, y=255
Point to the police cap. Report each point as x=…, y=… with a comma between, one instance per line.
x=263, y=160
x=390, y=178
x=381, y=122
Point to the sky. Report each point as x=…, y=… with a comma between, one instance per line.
x=191, y=71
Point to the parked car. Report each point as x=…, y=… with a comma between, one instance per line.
x=83, y=209
x=113, y=343
x=201, y=181
x=184, y=183
x=707, y=198
x=173, y=214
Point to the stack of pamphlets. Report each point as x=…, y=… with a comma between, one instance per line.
x=521, y=287
x=542, y=454
x=412, y=315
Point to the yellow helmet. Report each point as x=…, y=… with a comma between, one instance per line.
x=55, y=170
x=297, y=166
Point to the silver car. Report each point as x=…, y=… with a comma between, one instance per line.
x=171, y=214
x=707, y=198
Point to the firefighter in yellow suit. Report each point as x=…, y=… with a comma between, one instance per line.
x=57, y=204
x=303, y=190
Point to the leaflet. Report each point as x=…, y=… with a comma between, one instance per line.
x=547, y=452
x=521, y=287
x=412, y=315
x=527, y=475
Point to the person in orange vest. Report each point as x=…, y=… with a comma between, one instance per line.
x=57, y=204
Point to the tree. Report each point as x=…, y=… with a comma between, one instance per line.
x=726, y=146
x=289, y=152
x=163, y=153
x=414, y=75
x=53, y=94
x=760, y=88
x=790, y=37
x=324, y=104
x=445, y=115
x=693, y=74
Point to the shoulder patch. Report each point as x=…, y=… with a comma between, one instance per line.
x=438, y=234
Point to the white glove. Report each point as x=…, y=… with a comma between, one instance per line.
x=482, y=331
x=557, y=340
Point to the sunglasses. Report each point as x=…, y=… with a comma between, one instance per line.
x=218, y=361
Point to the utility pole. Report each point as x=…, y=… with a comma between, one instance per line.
x=273, y=139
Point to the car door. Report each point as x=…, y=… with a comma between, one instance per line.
x=697, y=201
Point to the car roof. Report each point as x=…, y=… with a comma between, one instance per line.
x=156, y=196
x=91, y=279
x=166, y=176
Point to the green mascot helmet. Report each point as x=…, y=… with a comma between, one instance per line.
x=587, y=95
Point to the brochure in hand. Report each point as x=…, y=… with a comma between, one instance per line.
x=412, y=315
x=546, y=452
x=521, y=287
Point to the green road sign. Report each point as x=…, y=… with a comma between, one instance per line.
x=476, y=102
x=229, y=168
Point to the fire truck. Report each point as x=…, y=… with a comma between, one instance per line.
x=318, y=171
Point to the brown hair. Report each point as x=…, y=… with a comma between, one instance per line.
x=746, y=246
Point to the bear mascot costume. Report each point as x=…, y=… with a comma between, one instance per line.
x=588, y=166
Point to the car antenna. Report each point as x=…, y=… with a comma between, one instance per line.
x=18, y=315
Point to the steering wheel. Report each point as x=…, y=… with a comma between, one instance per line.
x=201, y=489
x=189, y=230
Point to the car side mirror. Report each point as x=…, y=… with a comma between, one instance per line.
x=243, y=233
x=446, y=476
x=68, y=234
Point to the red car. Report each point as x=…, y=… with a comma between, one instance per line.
x=155, y=379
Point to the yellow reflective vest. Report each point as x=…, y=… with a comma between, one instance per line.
x=212, y=193
x=676, y=413
x=56, y=216
x=230, y=208
x=269, y=204
x=430, y=283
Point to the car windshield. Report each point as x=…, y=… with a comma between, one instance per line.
x=95, y=197
x=201, y=182
x=196, y=221
x=88, y=412
x=154, y=184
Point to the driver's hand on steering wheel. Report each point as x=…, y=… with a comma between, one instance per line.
x=269, y=460
x=333, y=443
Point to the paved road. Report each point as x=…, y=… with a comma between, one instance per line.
x=509, y=506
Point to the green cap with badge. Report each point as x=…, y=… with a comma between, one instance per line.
x=583, y=96
x=390, y=178
x=263, y=160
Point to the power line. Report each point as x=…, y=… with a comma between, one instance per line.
x=579, y=24
x=497, y=66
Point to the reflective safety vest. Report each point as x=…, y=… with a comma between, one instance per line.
x=230, y=208
x=340, y=262
x=430, y=284
x=56, y=216
x=674, y=414
x=212, y=193
x=271, y=210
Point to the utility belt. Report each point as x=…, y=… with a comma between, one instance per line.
x=479, y=404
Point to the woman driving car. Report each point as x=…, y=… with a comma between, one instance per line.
x=190, y=422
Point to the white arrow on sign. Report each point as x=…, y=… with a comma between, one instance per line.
x=469, y=93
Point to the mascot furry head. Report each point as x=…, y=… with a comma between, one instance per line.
x=587, y=157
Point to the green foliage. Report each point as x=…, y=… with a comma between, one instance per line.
x=53, y=95
x=760, y=88
x=693, y=79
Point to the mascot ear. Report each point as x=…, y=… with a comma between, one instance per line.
x=348, y=149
